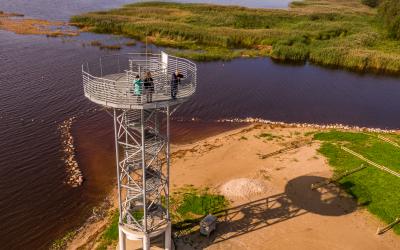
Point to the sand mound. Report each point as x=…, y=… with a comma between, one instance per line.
x=242, y=188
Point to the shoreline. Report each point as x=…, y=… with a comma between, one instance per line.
x=90, y=233
x=311, y=125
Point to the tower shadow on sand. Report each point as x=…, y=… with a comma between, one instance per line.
x=297, y=200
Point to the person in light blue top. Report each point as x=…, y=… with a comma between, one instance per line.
x=137, y=88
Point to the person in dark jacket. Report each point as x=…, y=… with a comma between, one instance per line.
x=175, y=81
x=148, y=87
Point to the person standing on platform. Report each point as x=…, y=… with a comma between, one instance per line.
x=175, y=81
x=137, y=88
x=149, y=87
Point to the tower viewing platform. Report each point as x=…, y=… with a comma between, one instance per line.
x=110, y=81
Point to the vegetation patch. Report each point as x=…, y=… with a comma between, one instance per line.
x=370, y=3
x=16, y=23
x=371, y=187
x=389, y=12
x=110, y=234
x=130, y=43
x=61, y=243
x=347, y=34
x=189, y=205
x=268, y=136
x=110, y=47
x=99, y=44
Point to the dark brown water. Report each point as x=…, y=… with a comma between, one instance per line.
x=260, y=88
x=40, y=86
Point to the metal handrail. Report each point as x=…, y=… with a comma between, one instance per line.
x=115, y=88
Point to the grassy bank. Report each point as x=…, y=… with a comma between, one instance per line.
x=110, y=235
x=375, y=189
x=339, y=33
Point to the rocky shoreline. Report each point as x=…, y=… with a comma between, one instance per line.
x=310, y=125
x=74, y=174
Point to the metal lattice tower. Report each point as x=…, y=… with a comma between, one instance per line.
x=142, y=135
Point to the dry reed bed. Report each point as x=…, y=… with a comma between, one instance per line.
x=334, y=33
x=18, y=24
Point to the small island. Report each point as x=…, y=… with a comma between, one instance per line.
x=19, y=24
x=346, y=34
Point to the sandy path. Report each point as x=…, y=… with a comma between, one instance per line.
x=294, y=216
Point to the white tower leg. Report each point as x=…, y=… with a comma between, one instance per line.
x=122, y=239
x=168, y=237
x=146, y=242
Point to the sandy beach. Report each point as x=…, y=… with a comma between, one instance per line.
x=271, y=203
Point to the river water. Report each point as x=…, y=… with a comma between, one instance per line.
x=40, y=86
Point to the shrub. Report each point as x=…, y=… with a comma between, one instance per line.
x=296, y=52
x=389, y=12
x=370, y=3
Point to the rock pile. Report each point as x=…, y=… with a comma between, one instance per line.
x=310, y=125
x=74, y=174
x=100, y=212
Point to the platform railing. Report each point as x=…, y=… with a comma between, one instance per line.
x=110, y=83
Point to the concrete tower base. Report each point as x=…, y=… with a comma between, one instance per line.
x=160, y=239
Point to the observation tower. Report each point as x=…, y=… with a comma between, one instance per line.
x=142, y=133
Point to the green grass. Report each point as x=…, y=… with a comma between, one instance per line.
x=389, y=13
x=268, y=136
x=189, y=203
x=338, y=33
x=375, y=189
x=110, y=234
x=201, y=204
x=62, y=242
